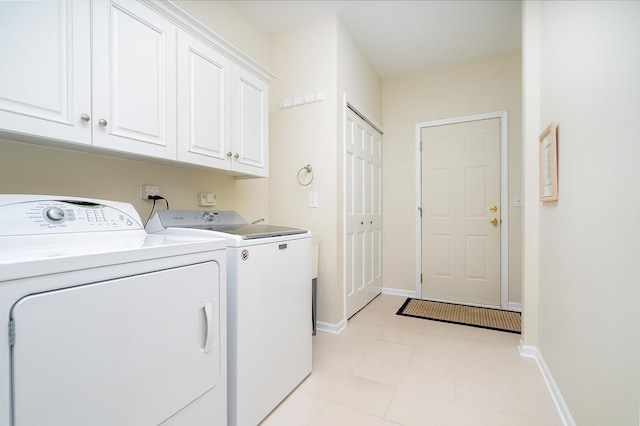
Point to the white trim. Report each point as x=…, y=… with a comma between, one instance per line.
x=504, y=196
x=328, y=327
x=515, y=307
x=362, y=113
x=556, y=396
x=200, y=31
x=399, y=292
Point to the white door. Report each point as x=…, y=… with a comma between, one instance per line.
x=45, y=78
x=130, y=351
x=250, y=131
x=134, y=79
x=461, y=212
x=204, y=111
x=363, y=212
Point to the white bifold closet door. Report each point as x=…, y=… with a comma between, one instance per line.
x=363, y=212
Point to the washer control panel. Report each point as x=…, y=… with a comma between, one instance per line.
x=210, y=219
x=58, y=216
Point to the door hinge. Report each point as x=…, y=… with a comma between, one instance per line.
x=420, y=146
x=12, y=332
x=420, y=210
x=420, y=278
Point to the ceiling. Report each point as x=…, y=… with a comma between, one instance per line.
x=403, y=37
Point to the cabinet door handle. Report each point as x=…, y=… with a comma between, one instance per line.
x=236, y=155
x=85, y=117
x=229, y=154
x=103, y=122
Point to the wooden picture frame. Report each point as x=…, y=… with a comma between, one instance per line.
x=548, y=148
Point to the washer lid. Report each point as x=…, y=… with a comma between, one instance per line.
x=227, y=222
x=254, y=231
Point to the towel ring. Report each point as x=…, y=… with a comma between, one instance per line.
x=305, y=175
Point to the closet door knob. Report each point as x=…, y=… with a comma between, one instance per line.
x=85, y=117
x=103, y=122
x=236, y=155
x=229, y=154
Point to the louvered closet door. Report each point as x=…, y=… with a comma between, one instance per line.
x=363, y=212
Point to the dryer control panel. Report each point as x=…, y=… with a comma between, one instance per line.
x=50, y=216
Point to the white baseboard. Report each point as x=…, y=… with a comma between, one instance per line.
x=515, y=307
x=554, y=391
x=328, y=327
x=399, y=292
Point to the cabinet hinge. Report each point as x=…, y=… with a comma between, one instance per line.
x=12, y=333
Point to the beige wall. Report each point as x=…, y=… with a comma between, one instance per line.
x=589, y=240
x=305, y=61
x=35, y=169
x=317, y=57
x=489, y=85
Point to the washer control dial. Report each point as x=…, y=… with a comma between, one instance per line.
x=55, y=214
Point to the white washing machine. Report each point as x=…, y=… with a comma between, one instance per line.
x=104, y=324
x=269, y=307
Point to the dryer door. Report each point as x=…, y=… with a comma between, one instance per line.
x=130, y=351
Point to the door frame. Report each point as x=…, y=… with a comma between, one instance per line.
x=504, y=196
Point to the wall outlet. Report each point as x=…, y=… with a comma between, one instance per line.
x=517, y=201
x=207, y=199
x=147, y=191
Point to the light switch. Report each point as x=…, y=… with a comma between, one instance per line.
x=313, y=199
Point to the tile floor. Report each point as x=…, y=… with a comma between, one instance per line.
x=384, y=369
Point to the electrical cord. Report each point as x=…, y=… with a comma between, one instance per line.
x=155, y=198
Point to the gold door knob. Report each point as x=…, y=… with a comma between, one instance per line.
x=493, y=221
x=493, y=208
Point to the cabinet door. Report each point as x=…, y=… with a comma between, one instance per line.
x=134, y=79
x=250, y=131
x=204, y=98
x=45, y=80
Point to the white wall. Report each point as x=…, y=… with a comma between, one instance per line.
x=488, y=85
x=589, y=240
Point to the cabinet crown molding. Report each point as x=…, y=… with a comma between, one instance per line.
x=197, y=29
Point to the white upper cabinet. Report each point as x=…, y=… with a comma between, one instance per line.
x=131, y=77
x=204, y=104
x=250, y=132
x=134, y=79
x=45, y=78
x=222, y=111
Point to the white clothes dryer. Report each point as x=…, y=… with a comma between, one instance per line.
x=104, y=324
